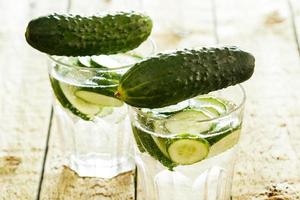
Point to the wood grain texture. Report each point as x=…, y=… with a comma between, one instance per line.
x=267, y=156
x=24, y=106
x=268, y=163
x=24, y=103
x=294, y=122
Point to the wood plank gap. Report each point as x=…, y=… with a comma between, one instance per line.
x=69, y=5
x=294, y=26
x=45, y=154
x=135, y=183
x=215, y=20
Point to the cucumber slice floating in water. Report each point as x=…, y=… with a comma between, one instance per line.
x=109, y=75
x=105, y=61
x=188, y=121
x=83, y=106
x=98, y=99
x=225, y=143
x=101, y=81
x=91, y=100
x=84, y=61
x=214, y=105
x=65, y=95
x=137, y=139
x=146, y=141
x=211, y=111
x=114, y=61
x=64, y=101
x=161, y=144
x=188, y=149
x=172, y=109
x=159, y=127
x=105, y=111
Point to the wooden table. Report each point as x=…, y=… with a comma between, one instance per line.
x=267, y=166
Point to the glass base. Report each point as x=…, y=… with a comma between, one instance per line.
x=210, y=179
x=100, y=165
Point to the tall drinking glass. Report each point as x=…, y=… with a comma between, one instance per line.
x=94, y=125
x=187, y=151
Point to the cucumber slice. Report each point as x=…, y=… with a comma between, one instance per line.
x=135, y=55
x=127, y=59
x=98, y=99
x=101, y=81
x=161, y=144
x=211, y=111
x=137, y=139
x=105, y=111
x=96, y=65
x=159, y=127
x=147, y=142
x=188, y=121
x=64, y=94
x=105, y=61
x=69, y=60
x=222, y=129
x=188, y=149
x=172, y=109
x=212, y=102
x=114, y=61
x=85, y=107
x=109, y=75
x=228, y=141
x=84, y=61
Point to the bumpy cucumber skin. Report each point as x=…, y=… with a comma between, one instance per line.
x=64, y=101
x=170, y=78
x=74, y=35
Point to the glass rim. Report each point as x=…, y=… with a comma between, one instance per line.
x=150, y=40
x=239, y=106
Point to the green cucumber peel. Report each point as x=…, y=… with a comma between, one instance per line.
x=152, y=149
x=187, y=149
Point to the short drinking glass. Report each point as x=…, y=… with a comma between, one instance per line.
x=94, y=125
x=187, y=151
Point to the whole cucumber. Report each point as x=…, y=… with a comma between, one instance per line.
x=74, y=35
x=169, y=78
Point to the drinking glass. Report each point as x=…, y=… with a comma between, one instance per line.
x=93, y=125
x=187, y=151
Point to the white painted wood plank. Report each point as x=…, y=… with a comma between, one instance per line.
x=24, y=103
x=294, y=122
x=262, y=27
x=267, y=156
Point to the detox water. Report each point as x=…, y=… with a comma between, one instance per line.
x=187, y=151
x=94, y=126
